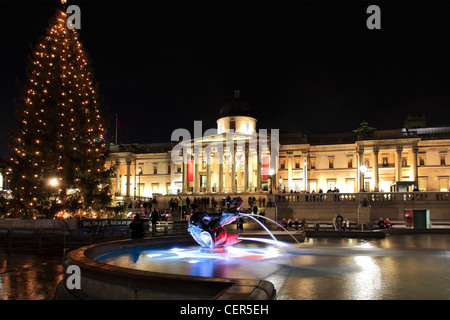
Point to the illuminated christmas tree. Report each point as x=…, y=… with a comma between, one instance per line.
x=60, y=144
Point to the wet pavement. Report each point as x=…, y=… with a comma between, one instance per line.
x=29, y=276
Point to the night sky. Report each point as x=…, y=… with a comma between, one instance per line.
x=304, y=66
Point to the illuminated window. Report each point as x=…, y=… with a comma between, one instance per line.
x=422, y=160
x=404, y=162
x=443, y=184
x=422, y=184
x=247, y=126
x=220, y=127
x=350, y=163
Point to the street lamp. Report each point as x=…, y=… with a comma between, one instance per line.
x=53, y=182
x=280, y=181
x=363, y=170
x=139, y=184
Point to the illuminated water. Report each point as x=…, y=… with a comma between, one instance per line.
x=396, y=267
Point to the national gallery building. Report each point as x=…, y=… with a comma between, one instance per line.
x=239, y=158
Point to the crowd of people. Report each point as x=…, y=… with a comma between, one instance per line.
x=296, y=224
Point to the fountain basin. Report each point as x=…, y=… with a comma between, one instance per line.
x=105, y=281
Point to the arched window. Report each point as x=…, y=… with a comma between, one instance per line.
x=220, y=129
x=247, y=126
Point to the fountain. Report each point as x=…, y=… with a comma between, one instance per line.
x=208, y=230
x=128, y=282
x=233, y=266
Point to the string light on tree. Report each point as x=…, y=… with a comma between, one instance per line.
x=48, y=141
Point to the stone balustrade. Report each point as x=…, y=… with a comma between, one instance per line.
x=361, y=196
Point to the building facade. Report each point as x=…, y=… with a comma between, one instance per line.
x=240, y=158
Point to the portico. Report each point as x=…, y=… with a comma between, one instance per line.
x=389, y=160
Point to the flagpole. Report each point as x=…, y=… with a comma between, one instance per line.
x=116, y=128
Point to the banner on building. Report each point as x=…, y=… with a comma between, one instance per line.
x=190, y=170
x=265, y=167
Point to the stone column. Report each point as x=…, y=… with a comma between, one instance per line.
x=233, y=169
x=196, y=176
x=289, y=167
x=246, y=171
x=305, y=171
x=415, y=150
x=208, y=172
x=173, y=169
x=258, y=169
x=128, y=178
x=220, y=151
x=399, y=150
x=185, y=173
x=376, y=150
x=360, y=150
x=117, y=177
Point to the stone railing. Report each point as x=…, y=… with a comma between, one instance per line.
x=360, y=197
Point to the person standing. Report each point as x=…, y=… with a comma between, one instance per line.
x=154, y=217
x=137, y=228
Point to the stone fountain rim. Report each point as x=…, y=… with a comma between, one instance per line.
x=235, y=289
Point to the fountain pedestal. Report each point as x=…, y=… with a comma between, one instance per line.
x=214, y=250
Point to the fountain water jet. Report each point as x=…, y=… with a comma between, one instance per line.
x=261, y=216
x=208, y=230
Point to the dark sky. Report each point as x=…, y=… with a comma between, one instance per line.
x=304, y=66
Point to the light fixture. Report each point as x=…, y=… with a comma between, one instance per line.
x=53, y=182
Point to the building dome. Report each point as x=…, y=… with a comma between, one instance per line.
x=236, y=107
x=236, y=115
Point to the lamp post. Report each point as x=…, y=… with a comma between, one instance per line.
x=139, y=183
x=363, y=170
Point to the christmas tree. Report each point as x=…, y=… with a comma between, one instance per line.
x=60, y=144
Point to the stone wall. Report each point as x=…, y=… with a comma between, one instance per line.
x=392, y=207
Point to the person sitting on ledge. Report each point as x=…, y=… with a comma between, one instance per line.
x=388, y=223
x=381, y=224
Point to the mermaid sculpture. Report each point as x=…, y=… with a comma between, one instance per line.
x=208, y=230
